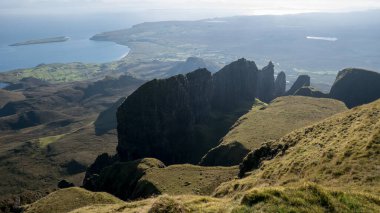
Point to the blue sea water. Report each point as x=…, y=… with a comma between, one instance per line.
x=18, y=28
x=79, y=27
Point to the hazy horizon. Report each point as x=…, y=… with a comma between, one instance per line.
x=213, y=7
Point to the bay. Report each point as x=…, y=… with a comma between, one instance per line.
x=18, y=28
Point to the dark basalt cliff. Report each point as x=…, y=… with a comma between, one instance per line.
x=177, y=120
x=266, y=83
x=159, y=120
x=302, y=81
x=280, y=85
x=234, y=84
x=356, y=87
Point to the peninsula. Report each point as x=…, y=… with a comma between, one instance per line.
x=42, y=41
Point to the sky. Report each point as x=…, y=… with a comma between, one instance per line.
x=240, y=7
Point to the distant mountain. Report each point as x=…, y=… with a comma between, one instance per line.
x=191, y=64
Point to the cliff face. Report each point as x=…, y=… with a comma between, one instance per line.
x=266, y=84
x=177, y=120
x=280, y=85
x=159, y=119
x=302, y=81
x=356, y=87
x=234, y=84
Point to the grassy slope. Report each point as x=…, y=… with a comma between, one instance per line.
x=55, y=148
x=149, y=176
x=69, y=199
x=340, y=152
x=306, y=198
x=57, y=72
x=8, y=96
x=265, y=123
x=188, y=179
x=279, y=118
x=35, y=158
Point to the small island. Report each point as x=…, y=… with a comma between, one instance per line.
x=42, y=41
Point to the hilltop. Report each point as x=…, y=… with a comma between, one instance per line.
x=267, y=122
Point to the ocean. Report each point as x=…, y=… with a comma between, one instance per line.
x=18, y=28
x=79, y=27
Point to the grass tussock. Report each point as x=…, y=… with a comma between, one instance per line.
x=69, y=199
x=308, y=198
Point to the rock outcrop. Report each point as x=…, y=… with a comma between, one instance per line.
x=148, y=177
x=356, y=87
x=280, y=85
x=177, y=120
x=302, y=81
x=120, y=179
x=266, y=84
x=310, y=92
x=235, y=84
x=160, y=118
